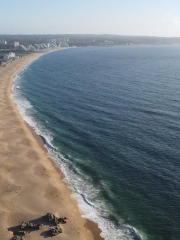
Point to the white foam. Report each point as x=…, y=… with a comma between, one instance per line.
x=86, y=195
x=81, y=189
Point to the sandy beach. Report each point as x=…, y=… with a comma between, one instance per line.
x=30, y=184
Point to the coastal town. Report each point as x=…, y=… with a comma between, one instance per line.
x=13, y=46
x=11, y=50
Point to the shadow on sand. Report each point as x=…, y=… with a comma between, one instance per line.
x=42, y=220
x=46, y=234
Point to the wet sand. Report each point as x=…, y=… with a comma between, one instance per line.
x=30, y=184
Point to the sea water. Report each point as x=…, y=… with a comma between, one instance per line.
x=111, y=120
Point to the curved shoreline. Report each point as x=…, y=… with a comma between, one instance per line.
x=90, y=225
x=27, y=195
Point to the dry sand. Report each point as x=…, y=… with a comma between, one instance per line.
x=30, y=185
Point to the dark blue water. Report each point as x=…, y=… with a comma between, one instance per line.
x=112, y=119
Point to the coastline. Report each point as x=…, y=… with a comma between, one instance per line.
x=90, y=225
x=27, y=195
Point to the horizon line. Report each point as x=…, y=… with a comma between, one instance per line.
x=103, y=34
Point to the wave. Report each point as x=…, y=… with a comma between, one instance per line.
x=82, y=190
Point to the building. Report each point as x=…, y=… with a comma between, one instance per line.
x=8, y=56
x=22, y=48
x=36, y=46
x=63, y=44
x=31, y=48
x=3, y=42
x=16, y=44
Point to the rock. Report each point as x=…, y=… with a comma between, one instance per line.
x=21, y=233
x=55, y=231
x=25, y=224
x=30, y=225
x=56, y=220
x=17, y=237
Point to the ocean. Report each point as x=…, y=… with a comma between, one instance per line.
x=110, y=117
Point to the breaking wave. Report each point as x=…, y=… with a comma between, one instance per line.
x=83, y=191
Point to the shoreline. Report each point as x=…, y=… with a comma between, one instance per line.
x=91, y=230
x=90, y=225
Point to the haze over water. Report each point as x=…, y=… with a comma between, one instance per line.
x=111, y=118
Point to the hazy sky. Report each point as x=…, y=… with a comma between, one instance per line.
x=122, y=17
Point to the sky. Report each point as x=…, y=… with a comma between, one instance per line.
x=121, y=17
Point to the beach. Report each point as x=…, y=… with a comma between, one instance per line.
x=30, y=184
